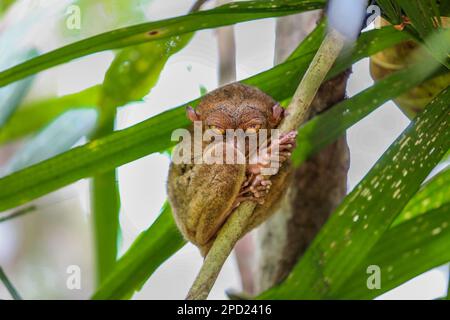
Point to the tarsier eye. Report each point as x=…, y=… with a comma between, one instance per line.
x=253, y=129
x=217, y=130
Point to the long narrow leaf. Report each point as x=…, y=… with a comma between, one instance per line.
x=432, y=195
x=120, y=278
x=11, y=96
x=148, y=252
x=35, y=116
x=424, y=16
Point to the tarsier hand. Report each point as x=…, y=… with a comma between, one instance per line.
x=203, y=195
x=263, y=165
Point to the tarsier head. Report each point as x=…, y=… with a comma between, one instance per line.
x=237, y=106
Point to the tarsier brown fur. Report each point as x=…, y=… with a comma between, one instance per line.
x=202, y=196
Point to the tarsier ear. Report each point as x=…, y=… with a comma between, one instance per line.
x=278, y=113
x=191, y=114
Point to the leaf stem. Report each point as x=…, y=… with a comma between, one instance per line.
x=297, y=113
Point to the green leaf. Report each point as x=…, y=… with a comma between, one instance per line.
x=153, y=135
x=9, y=286
x=402, y=253
x=313, y=41
x=391, y=10
x=147, y=253
x=444, y=8
x=368, y=211
x=11, y=96
x=34, y=116
x=422, y=14
x=56, y=138
x=4, y=5
x=434, y=194
x=18, y=213
x=135, y=70
x=105, y=207
x=225, y=15
x=104, y=15
x=323, y=129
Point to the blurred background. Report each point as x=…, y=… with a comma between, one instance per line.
x=37, y=249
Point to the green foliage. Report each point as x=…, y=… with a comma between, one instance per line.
x=323, y=129
x=403, y=253
x=148, y=252
x=132, y=74
x=444, y=8
x=136, y=70
x=391, y=10
x=425, y=19
x=152, y=135
x=35, y=116
x=12, y=95
x=9, y=286
x=4, y=5
x=434, y=194
x=105, y=15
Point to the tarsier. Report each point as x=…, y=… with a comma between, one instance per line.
x=202, y=196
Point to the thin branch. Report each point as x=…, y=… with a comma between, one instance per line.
x=298, y=111
x=9, y=286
